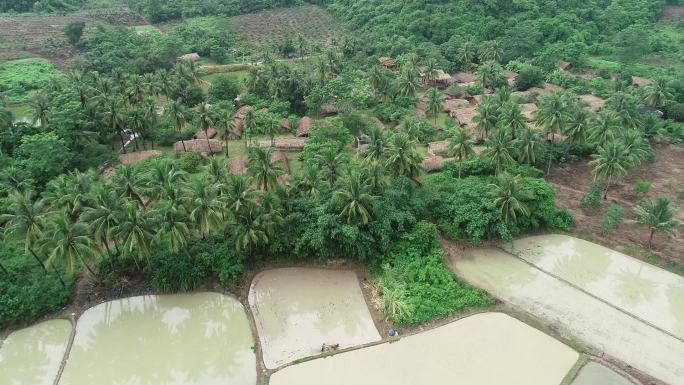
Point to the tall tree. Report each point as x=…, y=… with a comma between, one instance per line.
x=172, y=225
x=499, y=151
x=529, y=146
x=610, y=163
x=377, y=145
x=487, y=117
x=355, y=198
x=509, y=196
x=461, y=146
x=102, y=216
x=25, y=219
x=434, y=102
x=69, y=242
x=206, y=209
x=330, y=161
x=658, y=93
x=658, y=215
x=402, y=157
x=553, y=114
x=263, y=169
x=205, y=120
x=133, y=230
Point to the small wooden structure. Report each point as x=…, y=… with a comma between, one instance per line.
x=202, y=146
x=434, y=163
x=138, y=156
x=593, y=103
x=202, y=135
x=438, y=148
x=189, y=57
x=465, y=78
x=237, y=164
x=387, y=62
x=328, y=109
x=304, y=127
x=285, y=124
x=639, y=81
x=284, y=144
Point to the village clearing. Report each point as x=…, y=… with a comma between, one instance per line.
x=593, y=321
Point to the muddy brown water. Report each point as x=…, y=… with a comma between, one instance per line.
x=32, y=356
x=596, y=374
x=487, y=348
x=646, y=291
x=188, y=339
x=297, y=310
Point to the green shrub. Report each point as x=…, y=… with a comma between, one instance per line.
x=642, y=188
x=528, y=77
x=179, y=272
x=223, y=87
x=26, y=292
x=563, y=220
x=613, y=218
x=191, y=161
x=593, y=197
x=415, y=284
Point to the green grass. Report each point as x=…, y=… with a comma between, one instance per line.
x=144, y=29
x=21, y=111
x=20, y=77
x=240, y=77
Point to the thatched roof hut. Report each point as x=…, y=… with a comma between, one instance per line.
x=563, y=65
x=437, y=148
x=547, y=89
x=478, y=136
x=284, y=144
x=593, y=103
x=238, y=119
x=464, y=78
x=285, y=124
x=387, y=62
x=189, y=57
x=138, y=156
x=528, y=110
x=304, y=127
x=328, y=109
x=434, y=163
x=202, y=146
x=510, y=77
x=455, y=104
x=556, y=138
x=238, y=164
x=201, y=135
x=639, y=81
x=281, y=157
x=378, y=123
x=464, y=116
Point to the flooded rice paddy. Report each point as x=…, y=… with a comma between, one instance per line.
x=32, y=356
x=590, y=320
x=297, y=310
x=649, y=293
x=596, y=374
x=163, y=340
x=488, y=348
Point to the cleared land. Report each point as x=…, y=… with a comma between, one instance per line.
x=181, y=339
x=277, y=25
x=488, y=348
x=32, y=356
x=27, y=36
x=573, y=312
x=647, y=292
x=297, y=310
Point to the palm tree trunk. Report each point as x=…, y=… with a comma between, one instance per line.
x=30, y=249
x=85, y=264
x=650, y=239
x=123, y=142
x=59, y=276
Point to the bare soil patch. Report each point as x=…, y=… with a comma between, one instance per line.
x=672, y=13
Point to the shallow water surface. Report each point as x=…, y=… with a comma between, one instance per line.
x=646, y=291
x=194, y=339
x=32, y=356
x=488, y=348
x=596, y=374
x=297, y=310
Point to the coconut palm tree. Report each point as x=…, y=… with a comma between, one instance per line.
x=239, y=193
x=529, y=146
x=113, y=107
x=636, y=145
x=308, y=181
x=129, y=182
x=71, y=192
x=377, y=145
x=658, y=216
x=250, y=124
x=102, y=216
x=603, y=128
x=430, y=71
x=262, y=169
x=499, y=151
x=610, y=163
x=578, y=128
x=133, y=230
x=408, y=83
x=490, y=51
x=25, y=219
x=626, y=109
x=379, y=80
x=511, y=120
x=461, y=146
x=249, y=230
x=658, y=93
x=69, y=242
x=490, y=74
x=509, y=197
x=467, y=52
x=487, y=117
x=206, y=209
x=217, y=170
x=330, y=161
x=205, y=120
x=40, y=103
x=161, y=174
x=402, y=157
x=434, y=102
x=553, y=114
x=301, y=46
x=173, y=225
x=355, y=199
x=13, y=180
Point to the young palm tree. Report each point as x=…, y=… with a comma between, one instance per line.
x=626, y=109
x=40, y=103
x=509, y=197
x=467, y=52
x=658, y=93
x=529, y=146
x=408, y=83
x=129, y=182
x=578, y=128
x=239, y=193
x=133, y=230
x=490, y=51
x=487, y=117
x=658, y=216
x=610, y=163
x=172, y=225
x=603, y=128
x=354, y=196
x=379, y=80
x=69, y=242
x=434, y=101
x=206, y=209
x=553, y=114
x=330, y=161
x=25, y=219
x=511, y=120
x=262, y=169
x=377, y=145
x=102, y=216
x=637, y=146
x=499, y=151
x=308, y=181
x=402, y=157
x=461, y=146
x=489, y=75
x=205, y=120
x=249, y=230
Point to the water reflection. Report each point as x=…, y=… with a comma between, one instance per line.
x=32, y=356
x=297, y=310
x=163, y=340
x=593, y=374
x=646, y=291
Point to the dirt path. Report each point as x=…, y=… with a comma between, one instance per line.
x=612, y=333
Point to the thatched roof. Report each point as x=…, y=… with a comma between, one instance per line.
x=556, y=138
x=240, y=113
x=280, y=157
x=640, y=81
x=378, y=123
x=441, y=78
x=478, y=136
x=456, y=93
x=139, y=156
x=387, y=62
x=189, y=57
x=285, y=144
x=285, y=124
x=594, y=103
x=328, y=109
x=238, y=118
x=436, y=148
x=304, y=127
x=464, y=116
x=528, y=110
x=434, y=163
x=201, y=135
x=200, y=145
x=464, y=77
x=510, y=77
x=563, y=65
x=238, y=164
x=455, y=104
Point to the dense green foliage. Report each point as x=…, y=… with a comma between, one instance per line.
x=415, y=284
x=19, y=77
x=163, y=10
